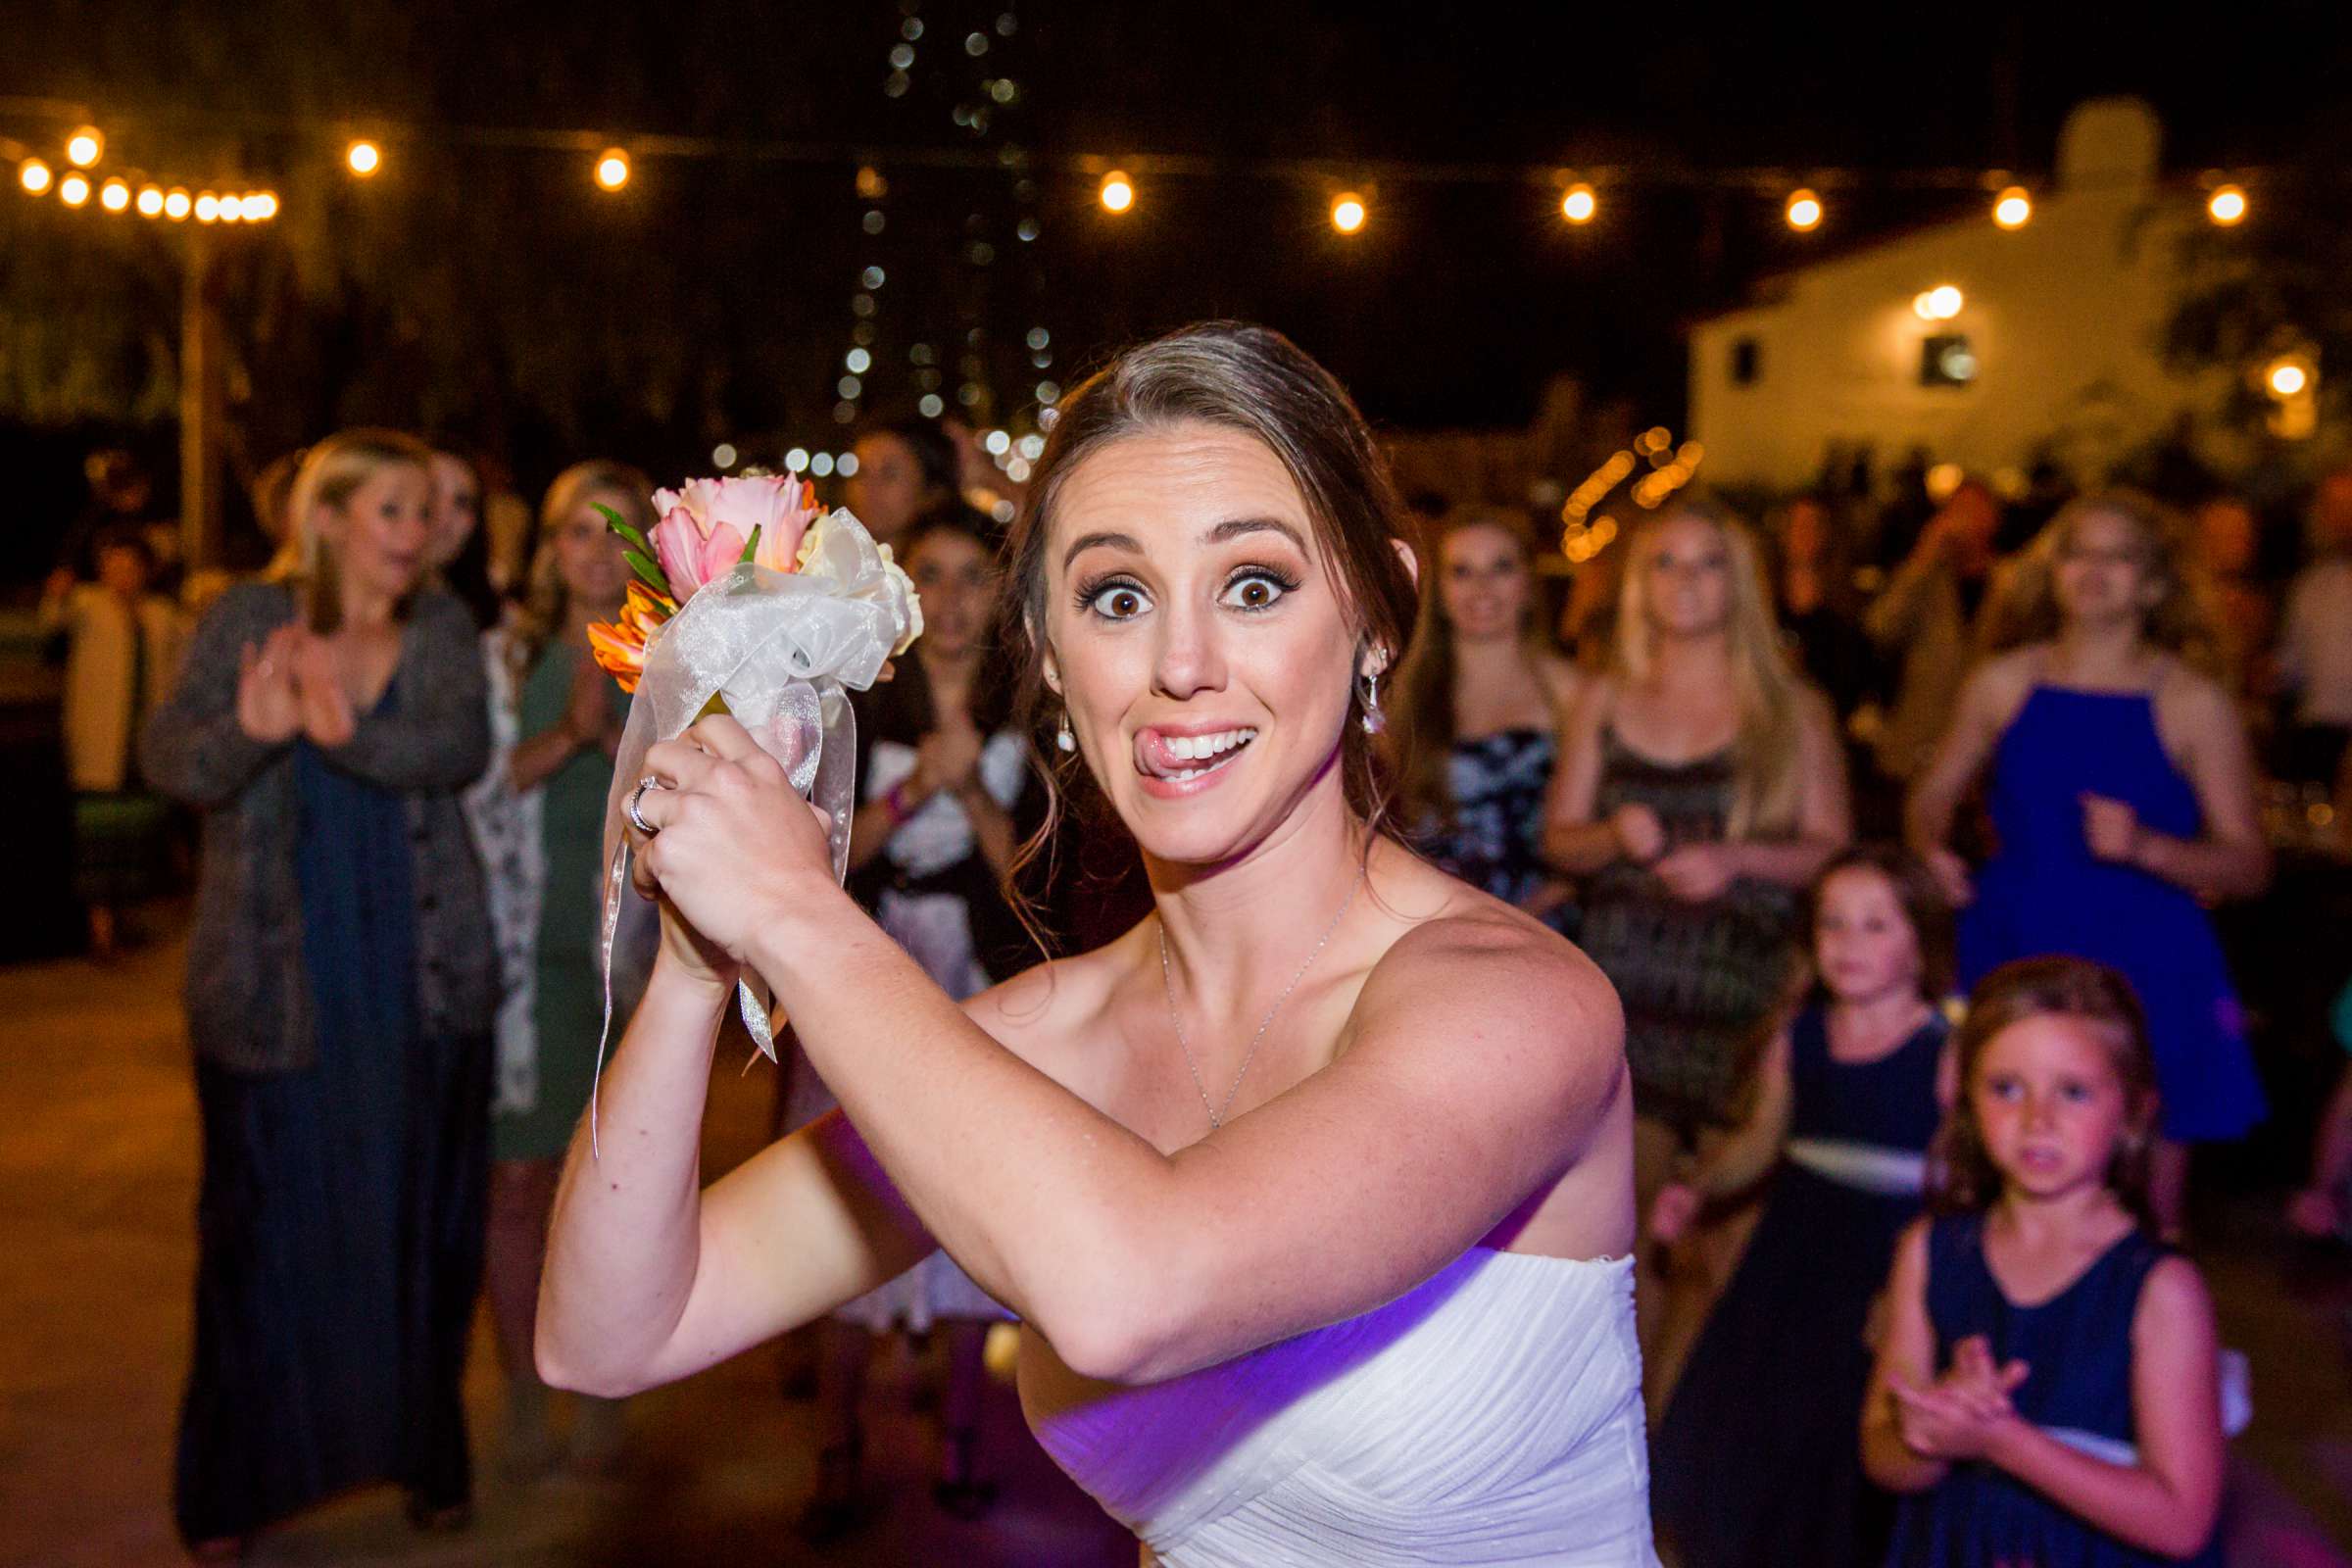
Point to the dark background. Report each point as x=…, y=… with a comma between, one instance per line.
x=480, y=287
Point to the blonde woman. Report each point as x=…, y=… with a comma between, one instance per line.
x=1479, y=709
x=538, y=816
x=1702, y=786
x=2122, y=796
x=340, y=982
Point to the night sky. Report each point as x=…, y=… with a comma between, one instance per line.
x=1451, y=308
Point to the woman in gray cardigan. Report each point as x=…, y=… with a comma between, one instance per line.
x=340, y=992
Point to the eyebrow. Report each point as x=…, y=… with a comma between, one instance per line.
x=1230, y=528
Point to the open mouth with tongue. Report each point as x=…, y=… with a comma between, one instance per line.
x=1183, y=758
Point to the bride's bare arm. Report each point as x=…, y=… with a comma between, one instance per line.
x=1483, y=1056
x=649, y=1278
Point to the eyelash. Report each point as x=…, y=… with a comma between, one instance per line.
x=1090, y=591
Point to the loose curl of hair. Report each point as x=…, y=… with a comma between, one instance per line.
x=1422, y=727
x=1766, y=686
x=1257, y=383
x=1922, y=904
x=1963, y=1179
x=2026, y=608
x=331, y=473
x=546, y=602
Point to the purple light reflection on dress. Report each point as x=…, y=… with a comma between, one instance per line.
x=1493, y=1414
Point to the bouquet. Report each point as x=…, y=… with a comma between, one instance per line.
x=749, y=599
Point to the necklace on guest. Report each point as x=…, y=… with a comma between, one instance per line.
x=1216, y=1111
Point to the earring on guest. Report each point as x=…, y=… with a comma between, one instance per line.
x=1064, y=739
x=1374, y=720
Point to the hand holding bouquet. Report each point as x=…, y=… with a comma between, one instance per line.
x=748, y=599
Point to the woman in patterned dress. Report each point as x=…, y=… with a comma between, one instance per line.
x=1702, y=786
x=1479, y=709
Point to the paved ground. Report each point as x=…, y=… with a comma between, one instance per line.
x=97, y=1179
x=97, y=1193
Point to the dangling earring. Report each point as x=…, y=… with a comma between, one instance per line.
x=1064, y=739
x=1374, y=720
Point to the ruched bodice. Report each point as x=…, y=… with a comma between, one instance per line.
x=1493, y=1414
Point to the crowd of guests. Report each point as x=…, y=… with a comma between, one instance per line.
x=2054, y=751
x=399, y=755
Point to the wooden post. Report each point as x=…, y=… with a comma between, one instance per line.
x=199, y=408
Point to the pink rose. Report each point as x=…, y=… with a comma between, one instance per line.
x=779, y=506
x=696, y=520
x=692, y=554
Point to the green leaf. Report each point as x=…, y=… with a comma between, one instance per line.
x=645, y=570
x=751, y=545
x=620, y=525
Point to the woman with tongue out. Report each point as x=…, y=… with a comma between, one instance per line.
x=1313, y=1190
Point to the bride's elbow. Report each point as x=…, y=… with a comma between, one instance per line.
x=597, y=1382
x=1124, y=1330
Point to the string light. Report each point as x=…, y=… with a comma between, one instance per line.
x=261, y=206
x=1579, y=204
x=85, y=147
x=1938, y=304
x=74, y=190
x=1117, y=193
x=612, y=168
x=1803, y=211
x=34, y=177
x=2226, y=205
x=363, y=158
x=208, y=207
x=114, y=196
x=2013, y=208
x=2287, y=378
x=231, y=210
x=151, y=201
x=176, y=206
x=1348, y=213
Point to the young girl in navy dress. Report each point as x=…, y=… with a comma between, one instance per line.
x=1756, y=1463
x=2047, y=1390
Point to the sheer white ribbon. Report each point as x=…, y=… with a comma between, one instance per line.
x=778, y=649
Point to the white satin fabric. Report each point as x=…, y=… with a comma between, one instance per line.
x=1491, y=1415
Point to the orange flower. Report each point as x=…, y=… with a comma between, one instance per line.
x=619, y=646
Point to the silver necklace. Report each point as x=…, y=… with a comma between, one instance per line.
x=1216, y=1112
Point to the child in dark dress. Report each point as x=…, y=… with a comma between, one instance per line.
x=2048, y=1391
x=1756, y=1460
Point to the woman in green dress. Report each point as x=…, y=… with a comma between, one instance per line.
x=539, y=817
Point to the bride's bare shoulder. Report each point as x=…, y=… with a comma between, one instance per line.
x=1039, y=1013
x=1472, y=955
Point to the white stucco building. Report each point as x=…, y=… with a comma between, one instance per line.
x=2056, y=342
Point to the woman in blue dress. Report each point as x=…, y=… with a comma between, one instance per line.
x=2123, y=801
x=1478, y=716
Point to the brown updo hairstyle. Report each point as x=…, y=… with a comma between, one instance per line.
x=1963, y=1179
x=1923, y=902
x=1257, y=382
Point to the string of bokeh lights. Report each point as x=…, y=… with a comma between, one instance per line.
x=1122, y=185
x=132, y=191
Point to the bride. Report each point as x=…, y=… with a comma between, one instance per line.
x=1313, y=1190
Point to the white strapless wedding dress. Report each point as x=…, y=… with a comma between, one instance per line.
x=1493, y=1414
